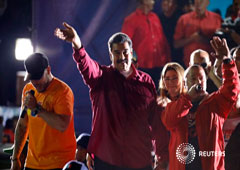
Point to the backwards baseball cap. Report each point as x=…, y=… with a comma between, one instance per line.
x=35, y=65
x=83, y=139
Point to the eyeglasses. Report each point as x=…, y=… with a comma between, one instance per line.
x=170, y=79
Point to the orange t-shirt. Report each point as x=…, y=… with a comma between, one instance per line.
x=49, y=148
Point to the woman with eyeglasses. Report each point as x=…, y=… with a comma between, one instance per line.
x=171, y=83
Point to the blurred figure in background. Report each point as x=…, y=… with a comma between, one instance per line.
x=201, y=57
x=8, y=133
x=169, y=16
x=230, y=28
x=82, y=144
x=193, y=30
x=187, y=5
x=1, y=129
x=149, y=42
x=81, y=153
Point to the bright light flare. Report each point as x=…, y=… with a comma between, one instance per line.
x=23, y=48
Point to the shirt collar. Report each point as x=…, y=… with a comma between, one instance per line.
x=135, y=73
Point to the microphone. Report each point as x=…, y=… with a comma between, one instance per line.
x=198, y=88
x=24, y=111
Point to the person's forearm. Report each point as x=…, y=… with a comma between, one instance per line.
x=19, y=139
x=216, y=80
x=76, y=43
x=89, y=68
x=56, y=121
x=217, y=68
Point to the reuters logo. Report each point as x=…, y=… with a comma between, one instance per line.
x=185, y=153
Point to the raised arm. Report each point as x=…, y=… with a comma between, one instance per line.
x=229, y=90
x=89, y=69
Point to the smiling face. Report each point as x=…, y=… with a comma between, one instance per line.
x=121, y=56
x=172, y=83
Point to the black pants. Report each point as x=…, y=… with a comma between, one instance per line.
x=101, y=165
x=38, y=169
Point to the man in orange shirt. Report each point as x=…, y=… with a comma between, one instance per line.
x=46, y=118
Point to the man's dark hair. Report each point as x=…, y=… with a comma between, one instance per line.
x=119, y=38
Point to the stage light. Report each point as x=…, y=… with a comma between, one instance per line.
x=23, y=48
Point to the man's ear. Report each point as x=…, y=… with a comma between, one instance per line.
x=185, y=84
x=48, y=69
x=111, y=56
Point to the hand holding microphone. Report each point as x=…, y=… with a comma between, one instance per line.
x=29, y=102
x=196, y=92
x=198, y=88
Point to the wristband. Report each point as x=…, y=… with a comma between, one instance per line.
x=227, y=60
x=36, y=110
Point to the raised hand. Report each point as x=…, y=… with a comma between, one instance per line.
x=29, y=100
x=220, y=47
x=68, y=34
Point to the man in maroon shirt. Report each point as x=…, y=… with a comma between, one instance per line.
x=124, y=107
